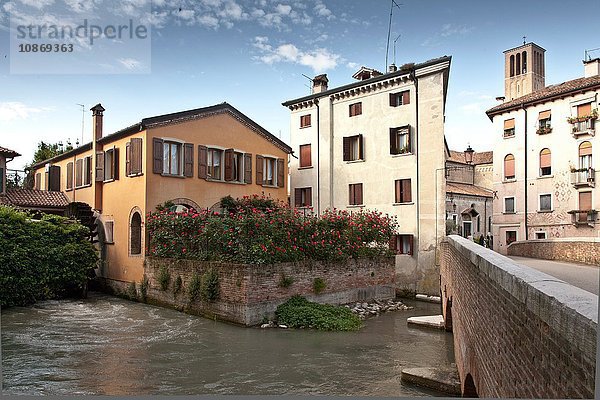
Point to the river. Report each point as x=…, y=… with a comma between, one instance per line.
x=104, y=345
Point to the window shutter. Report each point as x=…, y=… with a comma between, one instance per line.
x=351, y=194
x=392, y=99
x=202, y=161
x=188, y=160
x=128, y=158
x=406, y=191
x=393, y=141
x=79, y=172
x=410, y=245
x=136, y=156
x=70, y=175
x=346, y=148
x=544, y=114
x=308, y=196
x=259, y=169
x=509, y=124
x=585, y=200
x=359, y=193
x=248, y=168
x=406, y=97
x=157, y=152
x=583, y=110
x=308, y=121
x=359, y=108
x=298, y=197
x=280, y=173
x=100, y=166
x=509, y=166
x=397, y=189
x=88, y=170
x=394, y=243
x=545, y=158
x=409, y=138
x=54, y=178
x=585, y=149
x=360, y=147
x=229, y=164
x=115, y=163
x=305, y=156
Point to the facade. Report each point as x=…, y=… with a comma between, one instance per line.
x=378, y=144
x=6, y=155
x=544, y=163
x=192, y=158
x=469, y=194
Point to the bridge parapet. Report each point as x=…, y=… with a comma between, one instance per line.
x=517, y=332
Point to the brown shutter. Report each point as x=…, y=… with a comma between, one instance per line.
x=259, y=169
x=359, y=108
x=308, y=196
x=406, y=191
x=409, y=136
x=351, y=194
x=202, y=161
x=394, y=243
x=544, y=114
x=359, y=193
x=585, y=200
x=99, y=166
x=297, y=197
x=115, y=163
x=545, y=158
x=88, y=170
x=308, y=120
x=410, y=244
x=406, y=97
x=70, y=175
x=350, y=110
x=583, y=110
x=393, y=99
x=128, y=158
x=509, y=166
x=54, y=178
x=280, y=173
x=397, y=189
x=509, y=124
x=229, y=164
x=248, y=168
x=393, y=142
x=188, y=160
x=360, y=147
x=157, y=152
x=346, y=144
x=585, y=149
x=79, y=172
x=305, y=156
x=136, y=156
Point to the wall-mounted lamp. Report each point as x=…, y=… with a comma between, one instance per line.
x=469, y=154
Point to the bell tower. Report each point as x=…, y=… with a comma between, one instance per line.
x=524, y=70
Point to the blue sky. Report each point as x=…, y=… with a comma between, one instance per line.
x=252, y=54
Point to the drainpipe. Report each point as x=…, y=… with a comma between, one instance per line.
x=331, y=148
x=525, y=180
x=318, y=160
x=416, y=135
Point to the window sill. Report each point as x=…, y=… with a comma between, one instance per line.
x=356, y=206
x=69, y=190
x=402, y=154
x=354, y=161
x=307, y=126
x=308, y=167
x=545, y=176
x=108, y=180
x=109, y=242
x=172, y=176
x=509, y=180
x=135, y=175
x=271, y=186
x=509, y=212
x=83, y=186
x=307, y=208
x=545, y=211
x=508, y=137
x=404, y=204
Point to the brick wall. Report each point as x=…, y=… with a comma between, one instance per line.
x=584, y=250
x=248, y=293
x=517, y=332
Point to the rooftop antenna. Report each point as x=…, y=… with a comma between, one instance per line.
x=387, y=49
x=587, y=56
x=524, y=37
x=82, y=119
x=395, y=48
x=311, y=80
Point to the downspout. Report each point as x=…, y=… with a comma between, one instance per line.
x=525, y=180
x=318, y=161
x=331, y=148
x=414, y=76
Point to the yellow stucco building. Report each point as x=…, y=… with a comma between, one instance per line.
x=192, y=158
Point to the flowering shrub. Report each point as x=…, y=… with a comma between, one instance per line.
x=269, y=233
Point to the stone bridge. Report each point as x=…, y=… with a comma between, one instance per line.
x=517, y=332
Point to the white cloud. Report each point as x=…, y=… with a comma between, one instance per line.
x=451, y=29
x=39, y=4
x=186, y=14
x=130, y=63
x=13, y=110
x=283, y=9
x=208, y=21
x=319, y=60
x=352, y=65
x=322, y=11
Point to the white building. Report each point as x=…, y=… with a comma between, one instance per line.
x=378, y=143
x=544, y=166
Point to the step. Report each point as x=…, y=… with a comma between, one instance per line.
x=442, y=379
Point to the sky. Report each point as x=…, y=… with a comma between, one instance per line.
x=255, y=54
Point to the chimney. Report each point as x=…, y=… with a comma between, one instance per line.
x=320, y=83
x=97, y=111
x=591, y=67
x=392, y=68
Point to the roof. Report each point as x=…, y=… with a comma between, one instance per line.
x=175, y=118
x=363, y=69
x=548, y=93
x=8, y=152
x=483, y=157
x=467, y=189
x=403, y=70
x=32, y=198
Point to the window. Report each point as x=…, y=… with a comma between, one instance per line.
x=545, y=202
x=403, y=191
x=270, y=171
x=511, y=236
x=540, y=235
x=399, y=99
x=303, y=197
x=1, y=180
x=585, y=204
x=467, y=231
x=111, y=164
x=79, y=173
x=544, y=122
x=69, y=176
x=584, y=110
x=53, y=178
x=400, y=140
x=509, y=128
x=305, y=121
x=402, y=244
x=509, y=167
x=509, y=205
x=585, y=155
x=133, y=159
x=87, y=171
x=237, y=169
x=355, y=194
x=171, y=158
x=214, y=163
x=355, y=109
x=108, y=231
x=305, y=156
x=38, y=181
x=353, y=148
x=135, y=234
x=512, y=65
x=545, y=163
x=233, y=162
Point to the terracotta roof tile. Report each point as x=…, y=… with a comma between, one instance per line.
x=591, y=83
x=464, y=188
x=27, y=198
x=8, y=152
x=483, y=157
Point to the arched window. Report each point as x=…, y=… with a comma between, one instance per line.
x=585, y=155
x=545, y=162
x=509, y=167
x=524, y=62
x=135, y=236
x=512, y=65
x=518, y=71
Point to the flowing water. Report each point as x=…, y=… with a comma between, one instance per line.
x=108, y=346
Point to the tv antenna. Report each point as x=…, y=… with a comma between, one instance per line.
x=311, y=80
x=387, y=49
x=82, y=119
x=394, y=62
x=587, y=56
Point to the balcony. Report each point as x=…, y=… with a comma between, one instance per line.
x=583, y=217
x=543, y=130
x=583, y=125
x=583, y=177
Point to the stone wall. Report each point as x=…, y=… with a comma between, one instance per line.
x=583, y=250
x=249, y=293
x=517, y=332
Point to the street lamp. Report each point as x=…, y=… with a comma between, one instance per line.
x=469, y=154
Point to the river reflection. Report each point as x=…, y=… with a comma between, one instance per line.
x=108, y=346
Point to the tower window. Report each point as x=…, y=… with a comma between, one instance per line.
x=524, y=61
x=518, y=72
x=512, y=65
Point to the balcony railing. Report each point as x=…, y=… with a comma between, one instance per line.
x=583, y=127
x=584, y=177
x=583, y=217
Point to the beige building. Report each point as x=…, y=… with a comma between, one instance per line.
x=378, y=143
x=544, y=162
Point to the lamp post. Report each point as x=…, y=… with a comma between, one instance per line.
x=469, y=154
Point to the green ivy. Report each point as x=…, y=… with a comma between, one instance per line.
x=298, y=312
x=210, y=285
x=163, y=278
x=177, y=285
x=319, y=285
x=285, y=281
x=194, y=287
x=132, y=291
x=144, y=284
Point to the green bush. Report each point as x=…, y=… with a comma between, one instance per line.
x=194, y=287
x=132, y=291
x=46, y=259
x=319, y=285
x=164, y=278
x=285, y=281
x=144, y=284
x=210, y=285
x=177, y=285
x=298, y=312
